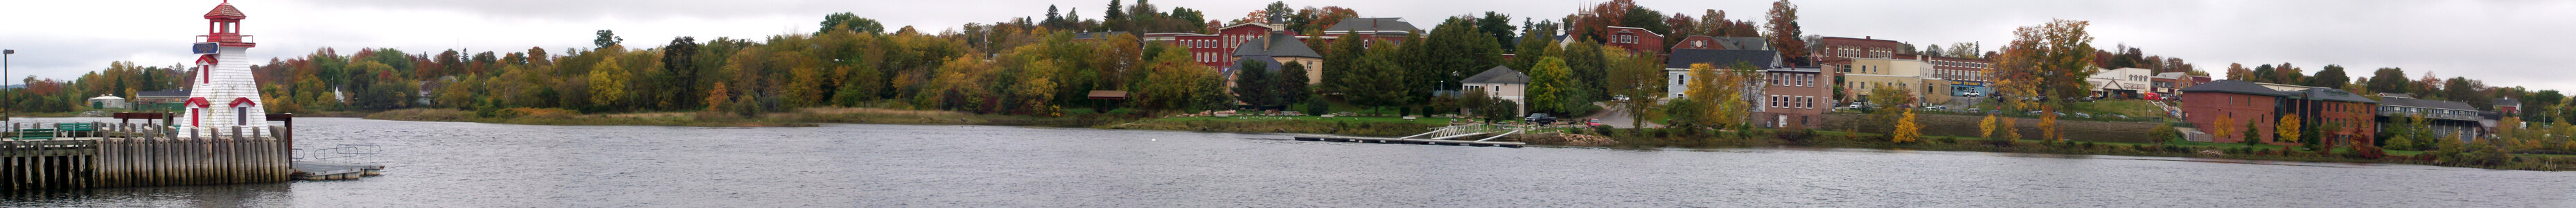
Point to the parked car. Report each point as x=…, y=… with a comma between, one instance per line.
x=1541, y=119
x=1592, y=122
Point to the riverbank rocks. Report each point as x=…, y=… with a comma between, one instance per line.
x=1564, y=139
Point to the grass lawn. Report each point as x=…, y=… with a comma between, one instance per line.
x=2131, y=108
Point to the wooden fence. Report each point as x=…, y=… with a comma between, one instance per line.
x=121, y=155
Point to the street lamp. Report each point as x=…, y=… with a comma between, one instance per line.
x=4, y=81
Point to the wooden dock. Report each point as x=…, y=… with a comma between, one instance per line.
x=1409, y=141
x=123, y=155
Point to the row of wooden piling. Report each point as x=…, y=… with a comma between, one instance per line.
x=149, y=155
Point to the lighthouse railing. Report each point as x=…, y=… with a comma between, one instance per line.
x=227, y=39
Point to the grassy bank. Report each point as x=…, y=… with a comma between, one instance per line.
x=1356, y=126
x=566, y=118
x=1660, y=138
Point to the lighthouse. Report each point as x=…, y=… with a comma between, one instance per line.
x=225, y=95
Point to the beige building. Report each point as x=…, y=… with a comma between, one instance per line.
x=1903, y=71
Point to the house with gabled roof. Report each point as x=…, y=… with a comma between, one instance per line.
x=1388, y=29
x=1501, y=83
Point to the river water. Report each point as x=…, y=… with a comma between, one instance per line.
x=447, y=164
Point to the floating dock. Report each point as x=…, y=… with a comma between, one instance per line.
x=1409, y=141
x=323, y=171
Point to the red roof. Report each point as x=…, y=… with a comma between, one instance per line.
x=225, y=11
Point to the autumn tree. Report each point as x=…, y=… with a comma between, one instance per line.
x=1906, y=129
x=2224, y=128
x=1785, y=31
x=2288, y=131
x=1641, y=79
x=1717, y=95
x=2050, y=59
x=1986, y=127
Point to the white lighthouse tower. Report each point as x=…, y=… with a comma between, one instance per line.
x=225, y=95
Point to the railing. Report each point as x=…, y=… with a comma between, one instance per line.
x=227, y=39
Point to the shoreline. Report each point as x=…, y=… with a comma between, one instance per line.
x=1557, y=137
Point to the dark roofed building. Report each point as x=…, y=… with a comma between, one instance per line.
x=1762, y=59
x=2239, y=102
x=1277, y=50
x=1386, y=29
x=2454, y=119
x=2508, y=106
x=1501, y=83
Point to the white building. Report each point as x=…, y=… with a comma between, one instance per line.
x=225, y=94
x=1501, y=83
x=2122, y=82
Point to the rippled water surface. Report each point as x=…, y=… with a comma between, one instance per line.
x=441, y=164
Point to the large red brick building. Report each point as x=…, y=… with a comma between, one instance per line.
x=1204, y=48
x=1633, y=39
x=2321, y=108
x=2353, y=117
x=2238, y=101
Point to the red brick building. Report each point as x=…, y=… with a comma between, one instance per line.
x=1837, y=52
x=2320, y=108
x=1204, y=48
x=2239, y=101
x=1634, y=39
x=1965, y=75
x=1797, y=98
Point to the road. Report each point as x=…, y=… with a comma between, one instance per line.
x=1620, y=118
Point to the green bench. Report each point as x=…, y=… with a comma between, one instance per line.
x=77, y=129
x=35, y=134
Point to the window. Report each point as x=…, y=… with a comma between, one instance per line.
x=241, y=116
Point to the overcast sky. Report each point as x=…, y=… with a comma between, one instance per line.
x=2506, y=43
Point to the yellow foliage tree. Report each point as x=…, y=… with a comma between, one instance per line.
x=1986, y=128
x=1719, y=92
x=2288, y=131
x=1907, y=130
x=2010, y=132
x=2224, y=128
x=607, y=82
x=2048, y=124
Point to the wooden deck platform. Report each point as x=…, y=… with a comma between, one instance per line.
x=1408, y=141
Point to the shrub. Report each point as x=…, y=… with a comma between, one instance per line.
x=1947, y=140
